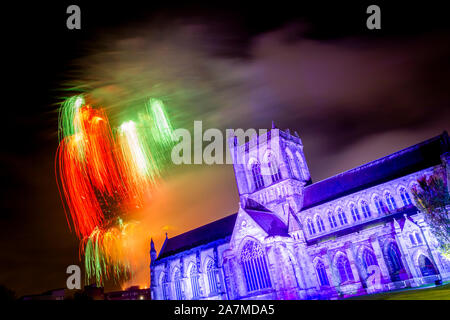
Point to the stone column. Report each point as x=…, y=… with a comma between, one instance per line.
x=351, y=259
x=334, y=279
x=380, y=259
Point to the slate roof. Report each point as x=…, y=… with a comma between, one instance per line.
x=417, y=157
x=219, y=229
x=269, y=222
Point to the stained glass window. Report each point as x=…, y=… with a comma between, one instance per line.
x=342, y=217
x=344, y=269
x=320, y=224
x=355, y=213
x=212, y=280
x=365, y=209
x=255, y=267
x=195, y=281
x=322, y=274
x=274, y=170
x=177, y=284
x=257, y=177
x=390, y=201
x=405, y=197
x=332, y=220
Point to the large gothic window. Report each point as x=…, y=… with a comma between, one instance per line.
x=322, y=274
x=394, y=262
x=195, y=285
x=342, y=217
x=368, y=259
x=344, y=269
x=365, y=209
x=274, y=169
x=212, y=280
x=255, y=267
x=355, y=213
x=405, y=197
x=332, y=220
x=390, y=201
x=177, y=285
x=311, y=228
x=257, y=177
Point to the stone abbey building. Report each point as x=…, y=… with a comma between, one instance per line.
x=352, y=234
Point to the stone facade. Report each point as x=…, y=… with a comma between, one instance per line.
x=355, y=233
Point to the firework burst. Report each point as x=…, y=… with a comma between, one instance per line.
x=103, y=176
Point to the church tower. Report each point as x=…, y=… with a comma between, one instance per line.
x=270, y=169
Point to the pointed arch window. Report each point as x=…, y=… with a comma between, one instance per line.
x=411, y=238
x=311, y=228
x=406, y=198
x=418, y=238
x=301, y=165
x=342, y=217
x=177, y=284
x=164, y=287
x=257, y=177
x=369, y=259
x=365, y=209
x=320, y=224
x=355, y=213
x=379, y=204
x=344, y=269
x=390, y=201
x=292, y=165
x=322, y=274
x=195, y=284
x=332, y=220
x=394, y=262
x=212, y=280
x=275, y=172
x=255, y=267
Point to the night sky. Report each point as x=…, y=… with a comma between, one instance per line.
x=352, y=94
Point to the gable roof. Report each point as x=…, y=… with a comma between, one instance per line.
x=219, y=229
x=415, y=158
x=269, y=222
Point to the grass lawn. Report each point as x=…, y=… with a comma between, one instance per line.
x=441, y=292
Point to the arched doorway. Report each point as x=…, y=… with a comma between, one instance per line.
x=426, y=266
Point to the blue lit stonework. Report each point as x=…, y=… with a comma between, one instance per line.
x=294, y=239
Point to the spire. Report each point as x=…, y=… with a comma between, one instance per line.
x=152, y=246
x=273, y=124
x=396, y=224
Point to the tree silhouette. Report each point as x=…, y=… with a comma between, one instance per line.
x=433, y=199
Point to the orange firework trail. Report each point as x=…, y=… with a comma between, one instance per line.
x=79, y=194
